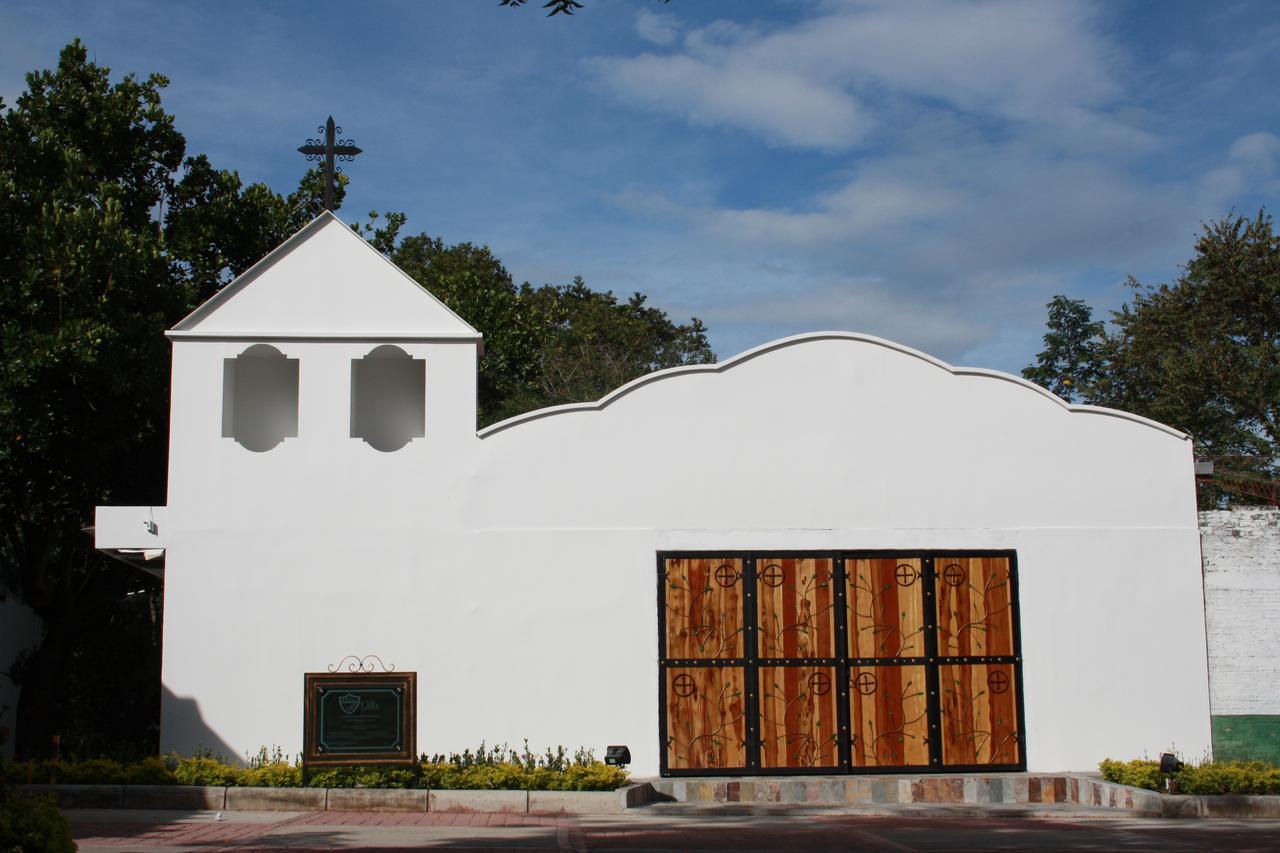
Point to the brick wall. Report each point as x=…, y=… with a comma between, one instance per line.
x=1241, y=551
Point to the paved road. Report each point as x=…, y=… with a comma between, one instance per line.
x=116, y=831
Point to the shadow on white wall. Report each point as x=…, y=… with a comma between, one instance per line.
x=388, y=398
x=260, y=398
x=186, y=732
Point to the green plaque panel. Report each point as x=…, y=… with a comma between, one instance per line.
x=1246, y=737
x=365, y=718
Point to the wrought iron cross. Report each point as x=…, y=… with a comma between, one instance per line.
x=330, y=149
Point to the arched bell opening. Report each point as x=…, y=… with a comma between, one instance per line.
x=388, y=398
x=260, y=398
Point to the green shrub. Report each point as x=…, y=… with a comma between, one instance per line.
x=486, y=768
x=33, y=824
x=150, y=771
x=509, y=776
x=204, y=771
x=1229, y=777
x=276, y=774
x=596, y=776
x=1136, y=774
x=94, y=771
x=363, y=777
x=1209, y=777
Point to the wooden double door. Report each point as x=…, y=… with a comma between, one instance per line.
x=856, y=662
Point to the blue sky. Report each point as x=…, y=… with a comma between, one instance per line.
x=929, y=172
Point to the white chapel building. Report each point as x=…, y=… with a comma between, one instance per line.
x=830, y=553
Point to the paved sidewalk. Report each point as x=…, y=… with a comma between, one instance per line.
x=115, y=831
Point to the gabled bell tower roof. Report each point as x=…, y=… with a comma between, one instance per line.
x=324, y=282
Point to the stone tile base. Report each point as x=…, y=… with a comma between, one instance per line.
x=999, y=788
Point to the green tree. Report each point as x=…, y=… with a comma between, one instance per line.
x=1203, y=353
x=106, y=240
x=592, y=343
x=475, y=284
x=556, y=7
x=1069, y=365
x=110, y=235
x=546, y=345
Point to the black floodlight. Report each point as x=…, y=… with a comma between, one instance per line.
x=1169, y=764
x=617, y=756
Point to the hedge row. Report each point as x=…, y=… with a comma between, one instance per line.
x=1209, y=777
x=491, y=769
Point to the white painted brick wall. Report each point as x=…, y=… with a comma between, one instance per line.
x=1241, y=551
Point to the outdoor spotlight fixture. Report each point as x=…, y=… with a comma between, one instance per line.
x=617, y=756
x=1169, y=764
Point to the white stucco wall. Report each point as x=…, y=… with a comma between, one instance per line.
x=1242, y=609
x=514, y=570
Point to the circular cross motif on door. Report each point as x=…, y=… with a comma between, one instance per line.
x=906, y=574
x=953, y=574
x=684, y=686
x=726, y=576
x=772, y=575
x=998, y=681
x=865, y=683
x=819, y=683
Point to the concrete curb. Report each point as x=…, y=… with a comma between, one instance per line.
x=277, y=799
x=377, y=800
x=1063, y=794
x=488, y=802
x=82, y=796
x=191, y=797
x=194, y=798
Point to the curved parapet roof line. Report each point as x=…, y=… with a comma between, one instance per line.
x=808, y=337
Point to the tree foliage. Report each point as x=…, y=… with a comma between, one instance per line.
x=1201, y=353
x=555, y=7
x=109, y=234
x=109, y=237
x=1068, y=365
x=546, y=345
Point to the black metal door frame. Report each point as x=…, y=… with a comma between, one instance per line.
x=842, y=663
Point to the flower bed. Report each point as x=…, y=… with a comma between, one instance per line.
x=498, y=768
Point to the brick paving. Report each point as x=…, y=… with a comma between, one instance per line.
x=183, y=832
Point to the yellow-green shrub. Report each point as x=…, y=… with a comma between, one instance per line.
x=1209, y=777
x=1229, y=777
x=149, y=771
x=1136, y=774
x=508, y=776
x=276, y=774
x=497, y=768
x=363, y=777
x=204, y=771
x=94, y=771
x=590, y=777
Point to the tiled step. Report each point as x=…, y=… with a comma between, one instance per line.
x=1007, y=788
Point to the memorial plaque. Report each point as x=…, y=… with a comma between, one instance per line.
x=360, y=718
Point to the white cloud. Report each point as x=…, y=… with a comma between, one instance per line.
x=781, y=106
x=806, y=85
x=991, y=147
x=866, y=305
x=657, y=28
x=1250, y=163
x=1257, y=151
